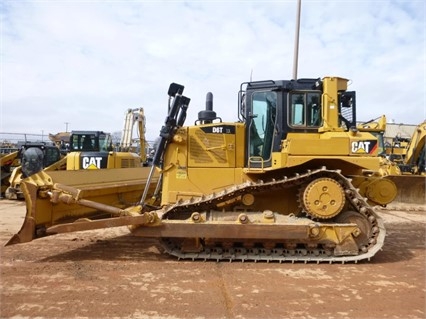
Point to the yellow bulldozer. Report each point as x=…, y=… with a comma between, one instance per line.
x=412, y=164
x=86, y=150
x=377, y=127
x=31, y=158
x=403, y=162
x=8, y=161
x=414, y=161
x=293, y=179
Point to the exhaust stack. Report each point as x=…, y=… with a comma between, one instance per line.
x=208, y=115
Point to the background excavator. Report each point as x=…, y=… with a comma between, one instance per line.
x=94, y=150
x=127, y=143
x=292, y=180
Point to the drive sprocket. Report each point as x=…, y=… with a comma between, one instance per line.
x=323, y=198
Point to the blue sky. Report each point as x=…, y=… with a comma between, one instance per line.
x=87, y=62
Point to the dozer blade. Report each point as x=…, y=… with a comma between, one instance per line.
x=93, y=194
x=411, y=188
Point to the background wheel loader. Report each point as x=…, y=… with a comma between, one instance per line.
x=292, y=180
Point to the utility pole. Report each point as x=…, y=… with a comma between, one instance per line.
x=66, y=127
x=296, y=40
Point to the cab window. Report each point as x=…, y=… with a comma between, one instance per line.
x=105, y=142
x=51, y=156
x=84, y=142
x=305, y=109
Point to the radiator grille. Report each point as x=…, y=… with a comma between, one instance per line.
x=200, y=142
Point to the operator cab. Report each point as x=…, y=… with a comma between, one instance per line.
x=37, y=156
x=90, y=141
x=272, y=109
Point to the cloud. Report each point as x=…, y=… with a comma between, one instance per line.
x=86, y=63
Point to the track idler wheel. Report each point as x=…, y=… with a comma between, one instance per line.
x=352, y=217
x=323, y=198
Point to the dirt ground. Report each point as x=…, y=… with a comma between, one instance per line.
x=111, y=274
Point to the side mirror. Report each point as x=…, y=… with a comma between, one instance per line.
x=174, y=89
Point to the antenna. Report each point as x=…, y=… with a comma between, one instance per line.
x=296, y=40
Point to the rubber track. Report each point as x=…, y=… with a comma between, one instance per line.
x=182, y=209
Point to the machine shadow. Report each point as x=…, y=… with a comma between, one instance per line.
x=401, y=242
x=121, y=248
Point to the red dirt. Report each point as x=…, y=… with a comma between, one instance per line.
x=109, y=273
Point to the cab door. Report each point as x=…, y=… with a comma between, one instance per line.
x=261, y=128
